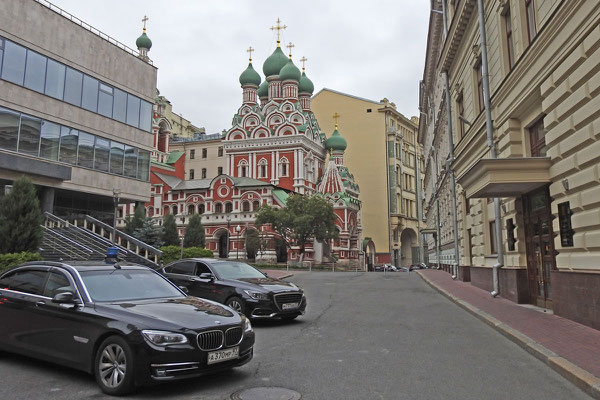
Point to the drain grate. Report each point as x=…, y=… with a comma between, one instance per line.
x=266, y=393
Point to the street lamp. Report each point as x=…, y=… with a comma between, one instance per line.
x=238, y=228
x=182, y=236
x=228, y=225
x=116, y=193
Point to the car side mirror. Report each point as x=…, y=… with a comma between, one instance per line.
x=65, y=298
x=207, y=275
x=184, y=289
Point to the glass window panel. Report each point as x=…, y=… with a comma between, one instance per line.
x=69, y=140
x=105, y=100
x=146, y=116
x=55, y=79
x=89, y=100
x=117, y=154
x=101, y=154
x=131, y=158
x=29, y=135
x=85, y=156
x=13, y=67
x=9, y=129
x=1, y=51
x=35, y=71
x=73, y=84
x=143, y=165
x=50, y=138
x=120, y=105
x=133, y=110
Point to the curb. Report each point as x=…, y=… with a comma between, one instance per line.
x=581, y=378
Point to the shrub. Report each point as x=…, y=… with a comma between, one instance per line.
x=9, y=260
x=20, y=219
x=194, y=234
x=169, y=236
x=172, y=253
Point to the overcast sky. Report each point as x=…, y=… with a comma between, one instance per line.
x=372, y=49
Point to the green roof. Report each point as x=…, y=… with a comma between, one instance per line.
x=174, y=156
x=290, y=72
x=305, y=85
x=263, y=89
x=281, y=195
x=143, y=42
x=274, y=62
x=250, y=76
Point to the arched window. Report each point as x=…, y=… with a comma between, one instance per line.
x=256, y=205
x=228, y=207
x=284, y=167
x=166, y=210
x=201, y=209
x=175, y=210
x=262, y=168
x=218, y=208
x=246, y=206
x=191, y=210
x=243, y=168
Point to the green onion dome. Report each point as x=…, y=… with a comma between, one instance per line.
x=290, y=72
x=250, y=76
x=143, y=42
x=336, y=141
x=274, y=63
x=263, y=90
x=305, y=85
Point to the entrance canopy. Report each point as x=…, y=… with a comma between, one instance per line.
x=505, y=177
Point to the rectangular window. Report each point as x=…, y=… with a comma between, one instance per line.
x=55, y=79
x=29, y=135
x=220, y=170
x=1, y=51
x=203, y=173
x=492, y=227
x=191, y=174
x=509, y=38
x=145, y=116
x=9, y=129
x=73, y=85
x=35, y=71
x=143, y=165
x=13, y=66
x=564, y=222
x=101, y=154
x=192, y=154
x=85, y=154
x=460, y=108
x=105, y=100
x=204, y=153
x=69, y=142
x=89, y=100
x=120, y=105
x=117, y=155
x=49, y=140
x=220, y=154
x=479, y=73
x=133, y=110
x=131, y=161
x=537, y=139
x=530, y=15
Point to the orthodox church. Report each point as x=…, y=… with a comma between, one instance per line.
x=274, y=149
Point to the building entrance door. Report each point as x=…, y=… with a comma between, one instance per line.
x=539, y=238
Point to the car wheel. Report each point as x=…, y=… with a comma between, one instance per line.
x=113, y=367
x=237, y=304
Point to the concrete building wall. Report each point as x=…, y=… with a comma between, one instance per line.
x=211, y=162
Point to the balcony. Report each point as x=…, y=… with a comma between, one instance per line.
x=505, y=177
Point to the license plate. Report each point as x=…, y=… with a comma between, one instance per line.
x=289, y=306
x=223, y=355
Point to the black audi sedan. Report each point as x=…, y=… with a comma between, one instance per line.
x=126, y=324
x=238, y=285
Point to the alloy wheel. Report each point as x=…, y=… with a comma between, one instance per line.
x=112, y=365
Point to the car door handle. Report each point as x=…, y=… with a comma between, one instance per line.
x=40, y=303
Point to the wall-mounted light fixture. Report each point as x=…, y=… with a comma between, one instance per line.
x=565, y=183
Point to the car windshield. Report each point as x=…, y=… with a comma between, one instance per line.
x=236, y=270
x=119, y=285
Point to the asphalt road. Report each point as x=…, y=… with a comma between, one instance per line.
x=364, y=336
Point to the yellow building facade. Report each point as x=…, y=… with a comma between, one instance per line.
x=383, y=154
x=541, y=156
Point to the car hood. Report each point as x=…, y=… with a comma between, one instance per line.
x=186, y=312
x=268, y=284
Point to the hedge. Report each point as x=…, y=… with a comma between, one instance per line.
x=172, y=253
x=9, y=260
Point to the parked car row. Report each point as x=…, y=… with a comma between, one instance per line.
x=129, y=325
x=392, y=268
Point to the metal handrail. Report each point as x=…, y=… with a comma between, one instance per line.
x=59, y=245
x=74, y=243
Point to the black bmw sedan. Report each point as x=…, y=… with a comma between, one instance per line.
x=127, y=325
x=238, y=285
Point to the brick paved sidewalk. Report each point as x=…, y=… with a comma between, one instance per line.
x=570, y=348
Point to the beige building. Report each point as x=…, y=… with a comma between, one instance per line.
x=72, y=122
x=383, y=154
x=205, y=155
x=538, y=149
x=179, y=126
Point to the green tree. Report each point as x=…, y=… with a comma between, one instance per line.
x=302, y=220
x=20, y=219
x=170, y=237
x=135, y=222
x=149, y=233
x=194, y=234
x=252, y=243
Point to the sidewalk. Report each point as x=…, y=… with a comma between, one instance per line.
x=571, y=349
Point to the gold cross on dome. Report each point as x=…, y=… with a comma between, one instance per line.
x=290, y=46
x=335, y=118
x=144, y=21
x=250, y=50
x=303, y=60
x=278, y=27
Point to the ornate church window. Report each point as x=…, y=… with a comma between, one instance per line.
x=243, y=168
x=262, y=168
x=283, y=167
x=228, y=207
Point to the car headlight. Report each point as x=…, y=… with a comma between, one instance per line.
x=247, y=324
x=163, y=338
x=257, y=295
